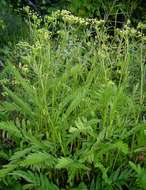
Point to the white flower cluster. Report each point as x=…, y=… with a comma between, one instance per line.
x=128, y=31
x=141, y=26
x=69, y=18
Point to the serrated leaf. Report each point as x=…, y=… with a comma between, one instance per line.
x=37, y=158
x=11, y=129
x=6, y=170
x=24, y=107
x=69, y=163
x=19, y=154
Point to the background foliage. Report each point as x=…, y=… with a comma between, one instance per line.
x=107, y=9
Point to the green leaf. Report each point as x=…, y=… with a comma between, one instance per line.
x=23, y=106
x=6, y=170
x=20, y=154
x=34, y=159
x=11, y=129
x=35, y=180
x=69, y=163
x=82, y=186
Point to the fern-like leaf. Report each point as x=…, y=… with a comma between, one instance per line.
x=11, y=129
x=39, y=158
x=23, y=106
x=37, y=181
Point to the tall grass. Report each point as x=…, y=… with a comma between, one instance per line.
x=74, y=108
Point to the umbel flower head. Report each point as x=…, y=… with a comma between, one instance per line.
x=69, y=18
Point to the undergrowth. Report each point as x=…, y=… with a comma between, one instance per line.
x=72, y=111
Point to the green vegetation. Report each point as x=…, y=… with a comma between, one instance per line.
x=72, y=101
